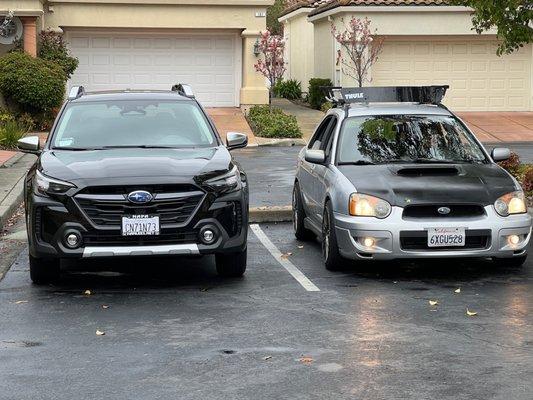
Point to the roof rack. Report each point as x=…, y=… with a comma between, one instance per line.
x=75, y=92
x=386, y=94
x=183, y=89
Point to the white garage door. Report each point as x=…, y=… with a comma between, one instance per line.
x=479, y=80
x=142, y=61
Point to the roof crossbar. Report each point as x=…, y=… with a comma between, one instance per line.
x=386, y=94
x=183, y=89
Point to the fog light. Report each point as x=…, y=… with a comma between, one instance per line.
x=369, y=242
x=513, y=240
x=208, y=235
x=72, y=240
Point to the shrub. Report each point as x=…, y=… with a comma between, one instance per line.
x=527, y=181
x=291, y=89
x=326, y=106
x=10, y=132
x=52, y=47
x=316, y=94
x=512, y=163
x=30, y=84
x=273, y=123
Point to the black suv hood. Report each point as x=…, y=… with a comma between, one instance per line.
x=431, y=184
x=135, y=165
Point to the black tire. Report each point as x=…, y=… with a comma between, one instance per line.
x=511, y=262
x=298, y=216
x=232, y=265
x=330, y=248
x=44, y=270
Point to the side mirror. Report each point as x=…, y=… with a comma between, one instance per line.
x=500, y=154
x=29, y=144
x=315, y=156
x=236, y=140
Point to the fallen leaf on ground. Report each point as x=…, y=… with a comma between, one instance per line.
x=87, y=292
x=286, y=255
x=471, y=313
x=306, y=360
x=99, y=333
x=433, y=302
x=300, y=247
x=267, y=358
x=21, y=301
x=458, y=290
x=105, y=307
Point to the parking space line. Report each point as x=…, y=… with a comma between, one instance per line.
x=291, y=269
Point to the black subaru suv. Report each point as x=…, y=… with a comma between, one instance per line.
x=135, y=173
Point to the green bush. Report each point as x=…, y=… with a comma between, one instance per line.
x=10, y=132
x=291, y=89
x=273, y=123
x=31, y=84
x=52, y=47
x=326, y=106
x=316, y=94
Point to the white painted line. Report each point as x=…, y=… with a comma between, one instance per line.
x=291, y=269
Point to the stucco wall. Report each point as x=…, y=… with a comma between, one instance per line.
x=324, y=50
x=300, y=49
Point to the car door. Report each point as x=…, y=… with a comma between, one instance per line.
x=306, y=176
x=320, y=172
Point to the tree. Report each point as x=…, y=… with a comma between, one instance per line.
x=273, y=13
x=271, y=65
x=360, y=46
x=511, y=18
x=52, y=47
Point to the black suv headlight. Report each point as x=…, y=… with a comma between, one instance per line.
x=44, y=185
x=225, y=183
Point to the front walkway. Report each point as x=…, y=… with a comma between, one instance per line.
x=231, y=120
x=489, y=127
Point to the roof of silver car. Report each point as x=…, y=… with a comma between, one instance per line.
x=395, y=109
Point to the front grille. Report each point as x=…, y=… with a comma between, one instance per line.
x=112, y=238
x=106, y=210
x=418, y=240
x=431, y=211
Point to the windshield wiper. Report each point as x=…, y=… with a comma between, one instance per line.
x=358, y=162
x=140, y=146
x=76, y=148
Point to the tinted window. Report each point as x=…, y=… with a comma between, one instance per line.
x=407, y=138
x=131, y=123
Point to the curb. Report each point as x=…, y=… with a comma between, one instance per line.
x=270, y=214
x=12, y=160
x=280, y=142
x=12, y=202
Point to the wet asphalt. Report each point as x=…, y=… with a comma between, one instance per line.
x=174, y=329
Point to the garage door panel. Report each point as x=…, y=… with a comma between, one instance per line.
x=139, y=61
x=479, y=80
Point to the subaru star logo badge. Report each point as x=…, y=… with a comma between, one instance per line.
x=444, y=210
x=140, y=197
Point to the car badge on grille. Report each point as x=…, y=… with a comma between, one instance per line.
x=444, y=210
x=140, y=197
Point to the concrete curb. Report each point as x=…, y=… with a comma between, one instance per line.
x=270, y=214
x=12, y=201
x=12, y=160
x=280, y=142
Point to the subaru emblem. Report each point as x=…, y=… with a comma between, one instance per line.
x=140, y=197
x=444, y=210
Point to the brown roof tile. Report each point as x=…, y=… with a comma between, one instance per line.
x=325, y=5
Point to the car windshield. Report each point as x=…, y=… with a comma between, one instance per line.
x=383, y=139
x=132, y=123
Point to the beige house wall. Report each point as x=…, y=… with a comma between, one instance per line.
x=324, y=50
x=300, y=48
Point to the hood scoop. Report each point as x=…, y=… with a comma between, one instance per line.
x=427, y=171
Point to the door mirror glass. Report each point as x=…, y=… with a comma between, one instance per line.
x=500, y=154
x=315, y=156
x=29, y=144
x=235, y=140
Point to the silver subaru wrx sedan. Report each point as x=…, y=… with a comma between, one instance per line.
x=391, y=173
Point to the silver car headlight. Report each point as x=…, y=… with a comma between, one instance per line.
x=364, y=205
x=225, y=183
x=511, y=203
x=44, y=185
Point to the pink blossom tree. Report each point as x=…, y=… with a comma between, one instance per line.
x=360, y=47
x=271, y=64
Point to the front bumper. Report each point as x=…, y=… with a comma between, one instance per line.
x=388, y=234
x=49, y=221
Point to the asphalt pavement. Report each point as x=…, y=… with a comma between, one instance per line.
x=174, y=329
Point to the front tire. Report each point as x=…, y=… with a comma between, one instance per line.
x=511, y=262
x=333, y=259
x=232, y=265
x=298, y=216
x=44, y=270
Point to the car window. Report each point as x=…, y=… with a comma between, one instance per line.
x=407, y=138
x=328, y=137
x=131, y=123
x=316, y=141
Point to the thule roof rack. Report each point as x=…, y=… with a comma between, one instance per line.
x=184, y=90
x=75, y=92
x=340, y=96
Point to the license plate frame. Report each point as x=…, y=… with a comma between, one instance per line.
x=446, y=237
x=149, y=225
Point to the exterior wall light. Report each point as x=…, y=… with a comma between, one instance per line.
x=256, y=48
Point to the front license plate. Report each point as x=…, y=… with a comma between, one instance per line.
x=140, y=225
x=446, y=237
